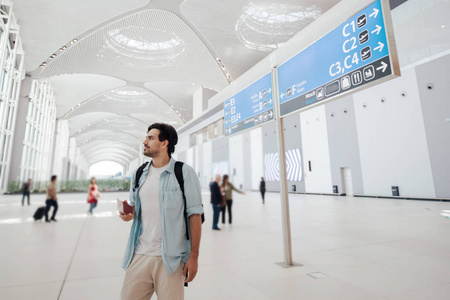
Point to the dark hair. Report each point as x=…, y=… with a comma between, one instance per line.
x=53, y=177
x=166, y=132
x=225, y=177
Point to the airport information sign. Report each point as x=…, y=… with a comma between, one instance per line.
x=354, y=54
x=250, y=107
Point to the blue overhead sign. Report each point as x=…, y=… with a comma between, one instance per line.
x=251, y=106
x=352, y=55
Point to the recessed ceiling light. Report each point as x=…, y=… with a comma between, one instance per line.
x=443, y=26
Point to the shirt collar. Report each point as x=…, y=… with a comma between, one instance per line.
x=170, y=167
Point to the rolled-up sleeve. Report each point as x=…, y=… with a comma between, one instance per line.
x=192, y=191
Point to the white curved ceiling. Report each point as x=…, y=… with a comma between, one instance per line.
x=117, y=66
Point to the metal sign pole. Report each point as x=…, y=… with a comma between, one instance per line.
x=285, y=217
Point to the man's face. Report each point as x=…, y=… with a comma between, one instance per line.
x=217, y=178
x=152, y=145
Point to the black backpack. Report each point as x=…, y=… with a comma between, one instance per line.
x=180, y=179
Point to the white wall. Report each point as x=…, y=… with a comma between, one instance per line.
x=190, y=157
x=392, y=141
x=207, y=164
x=236, y=157
x=257, y=157
x=316, y=150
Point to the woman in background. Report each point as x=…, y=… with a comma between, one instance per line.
x=93, y=195
x=228, y=188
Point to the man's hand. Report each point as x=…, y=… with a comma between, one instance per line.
x=125, y=217
x=191, y=269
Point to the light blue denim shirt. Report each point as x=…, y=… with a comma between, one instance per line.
x=175, y=246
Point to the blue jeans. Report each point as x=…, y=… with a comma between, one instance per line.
x=216, y=211
x=93, y=205
x=27, y=194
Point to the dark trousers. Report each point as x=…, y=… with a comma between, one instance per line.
x=50, y=203
x=28, y=197
x=262, y=195
x=216, y=213
x=227, y=205
x=92, y=206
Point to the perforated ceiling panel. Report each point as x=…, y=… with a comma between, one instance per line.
x=46, y=25
x=116, y=123
x=73, y=91
x=243, y=32
x=149, y=46
x=127, y=101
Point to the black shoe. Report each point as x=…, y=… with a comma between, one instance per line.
x=216, y=228
x=48, y=221
x=54, y=220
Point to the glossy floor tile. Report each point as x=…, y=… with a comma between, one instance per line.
x=347, y=248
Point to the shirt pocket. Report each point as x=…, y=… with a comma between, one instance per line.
x=173, y=199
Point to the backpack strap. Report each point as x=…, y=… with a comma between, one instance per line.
x=139, y=172
x=180, y=179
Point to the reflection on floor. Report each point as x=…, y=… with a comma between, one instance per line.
x=350, y=249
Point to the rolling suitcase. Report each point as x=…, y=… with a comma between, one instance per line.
x=39, y=213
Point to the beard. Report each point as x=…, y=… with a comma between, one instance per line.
x=150, y=153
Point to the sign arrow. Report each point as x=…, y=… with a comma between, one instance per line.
x=270, y=101
x=383, y=67
x=270, y=114
x=269, y=91
x=380, y=46
x=377, y=29
x=282, y=95
x=375, y=13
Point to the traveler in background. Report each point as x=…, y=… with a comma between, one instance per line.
x=216, y=201
x=93, y=195
x=52, y=199
x=228, y=188
x=159, y=257
x=262, y=188
x=211, y=181
x=26, y=188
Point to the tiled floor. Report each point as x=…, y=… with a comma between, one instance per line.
x=359, y=248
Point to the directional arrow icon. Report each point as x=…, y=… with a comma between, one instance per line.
x=383, y=67
x=380, y=46
x=377, y=29
x=375, y=13
x=269, y=91
x=282, y=95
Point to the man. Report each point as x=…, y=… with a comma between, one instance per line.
x=159, y=257
x=216, y=201
x=26, y=187
x=52, y=200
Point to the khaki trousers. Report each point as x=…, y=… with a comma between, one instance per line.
x=146, y=275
